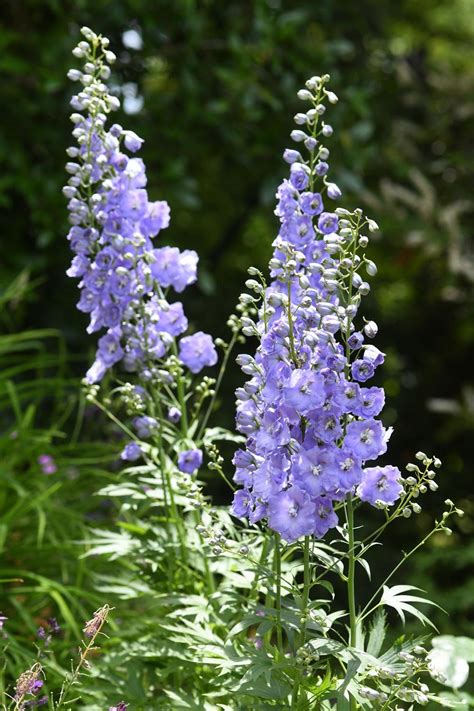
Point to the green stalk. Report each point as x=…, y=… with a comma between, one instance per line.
x=306, y=588
x=277, y=568
x=304, y=612
x=184, y=430
x=351, y=581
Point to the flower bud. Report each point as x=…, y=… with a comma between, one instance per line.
x=74, y=74
x=304, y=95
x=300, y=119
x=291, y=156
x=333, y=191
x=298, y=136
x=310, y=143
x=88, y=33
x=313, y=82
x=327, y=130
x=371, y=329
x=370, y=267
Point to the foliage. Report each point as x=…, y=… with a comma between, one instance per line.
x=407, y=119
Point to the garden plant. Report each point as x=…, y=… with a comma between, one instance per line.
x=201, y=605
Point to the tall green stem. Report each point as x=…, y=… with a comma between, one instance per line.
x=351, y=580
x=209, y=577
x=277, y=570
x=304, y=613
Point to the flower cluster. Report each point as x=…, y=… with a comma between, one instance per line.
x=307, y=413
x=47, y=464
x=113, y=223
x=29, y=683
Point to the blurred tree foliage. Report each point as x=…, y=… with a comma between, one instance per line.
x=217, y=81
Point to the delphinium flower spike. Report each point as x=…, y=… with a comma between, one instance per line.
x=307, y=413
x=122, y=275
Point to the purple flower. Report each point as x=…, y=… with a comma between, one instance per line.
x=157, y=218
x=54, y=626
x=315, y=472
x=355, y=341
x=190, y=460
x=366, y=438
x=47, y=464
x=197, y=351
x=362, y=370
x=371, y=402
x=36, y=686
x=174, y=415
x=304, y=391
x=122, y=706
x=380, y=484
x=174, y=268
x=41, y=633
x=325, y=518
x=145, y=426
x=242, y=504
x=131, y=452
x=172, y=320
x=328, y=222
x=311, y=203
x=292, y=513
x=299, y=176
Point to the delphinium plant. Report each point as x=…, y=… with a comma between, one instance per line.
x=313, y=438
x=127, y=285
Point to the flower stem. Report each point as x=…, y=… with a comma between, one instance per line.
x=304, y=612
x=351, y=580
x=277, y=567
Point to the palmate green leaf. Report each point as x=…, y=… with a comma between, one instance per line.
x=110, y=543
x=377, y=632
x=391, y=657
x=265, y=679
x=185, y=701
x=397, y=598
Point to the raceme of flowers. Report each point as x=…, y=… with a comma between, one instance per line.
x=309, y=418
x=122, y=275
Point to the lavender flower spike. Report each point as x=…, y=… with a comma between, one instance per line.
x=113, y=224
x=309, y=420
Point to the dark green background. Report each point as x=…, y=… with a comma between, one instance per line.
x=219, y=81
